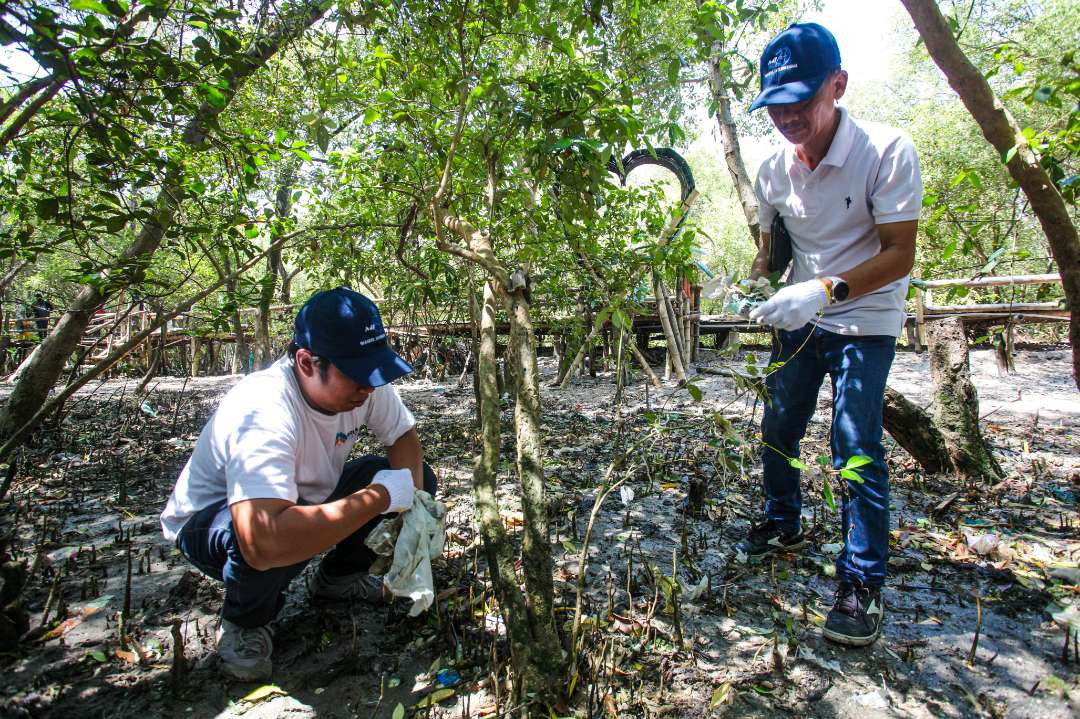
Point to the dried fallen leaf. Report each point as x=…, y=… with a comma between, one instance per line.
x=434, y=698
x=722, y=695
x=129, y=657
x=61, y=629
x=265, y=692
x=610, y=707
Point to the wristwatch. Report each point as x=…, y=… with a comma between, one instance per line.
x=839, y=289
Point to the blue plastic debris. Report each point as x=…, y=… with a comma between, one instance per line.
x=447, y=678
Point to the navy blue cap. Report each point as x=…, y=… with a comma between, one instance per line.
x=795, y=64
x=345, y=327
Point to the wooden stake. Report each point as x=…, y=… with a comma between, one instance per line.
x=978, y=628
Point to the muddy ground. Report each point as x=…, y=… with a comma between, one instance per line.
x=743, y=641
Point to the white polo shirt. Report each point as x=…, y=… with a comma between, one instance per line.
x=870, y=176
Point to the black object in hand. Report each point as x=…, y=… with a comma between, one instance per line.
x=779, y=246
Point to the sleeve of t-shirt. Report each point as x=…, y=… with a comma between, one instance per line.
x=388, y=418
x=897, y=193
x=261, y=456
x=766, y=212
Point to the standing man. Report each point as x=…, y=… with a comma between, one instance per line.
x=267, y=486
x=42, y=309
x=849, y=193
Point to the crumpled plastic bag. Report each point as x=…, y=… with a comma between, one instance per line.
x=983, y=544
x=738, y=298
x=406, y=545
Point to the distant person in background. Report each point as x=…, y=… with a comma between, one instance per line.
x=849, y=193
x=42, y=309
x=24, y=334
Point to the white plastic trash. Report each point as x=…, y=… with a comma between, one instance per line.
x=420, y=539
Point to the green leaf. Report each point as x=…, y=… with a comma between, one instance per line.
x=852, y=475
x=399, y=712
x=695, y=392
x=949, y=250
x=823, y=460
x=798, y=464
x=212, y=95
x=322, y=138
x=116, y=223
x=98, y=656
x=371, y=114
x=826, y=492
x=91, y=5
x=620, y=320
x=48, y=207
x=673, y=70
x=858, y=460
x=302, y=154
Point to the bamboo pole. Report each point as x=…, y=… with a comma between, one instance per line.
x=674, y=344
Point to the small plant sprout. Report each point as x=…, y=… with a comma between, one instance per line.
x=849, y=472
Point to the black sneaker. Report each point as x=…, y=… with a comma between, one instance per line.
x=768, y=538
x=856, y=617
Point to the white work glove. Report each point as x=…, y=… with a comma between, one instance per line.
x=792, y=306
x=399, y=485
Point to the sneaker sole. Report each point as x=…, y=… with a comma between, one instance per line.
x=243, y=674
x=848, y=640
x=755, y=558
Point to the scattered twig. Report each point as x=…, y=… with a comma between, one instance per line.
x=978, y=628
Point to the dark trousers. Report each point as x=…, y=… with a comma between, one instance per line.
x=858, y=367
x=252, y=597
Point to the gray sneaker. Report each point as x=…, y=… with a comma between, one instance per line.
x=245, y=653
x=360, y=586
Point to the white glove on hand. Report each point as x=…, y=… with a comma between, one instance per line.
x=399, y=485
x=793, y=306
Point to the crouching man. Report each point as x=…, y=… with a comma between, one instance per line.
x=267, y=487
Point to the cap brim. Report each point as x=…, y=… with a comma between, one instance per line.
x=789, y=92
x=377, y=367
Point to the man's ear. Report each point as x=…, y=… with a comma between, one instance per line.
x=840, y=84
x=304, y=363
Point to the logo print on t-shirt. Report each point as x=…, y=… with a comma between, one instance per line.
x=341, y=438
x=848, y=201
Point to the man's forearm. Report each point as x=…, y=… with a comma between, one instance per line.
x=406, y=453
x=276, y=533
x=875, y=273
x=895, y=260
x=760, y=266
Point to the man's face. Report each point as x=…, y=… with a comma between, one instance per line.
x=337, y=393
x=801, y=123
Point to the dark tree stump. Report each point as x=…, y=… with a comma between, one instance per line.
x=956, y=402
x=914, y=430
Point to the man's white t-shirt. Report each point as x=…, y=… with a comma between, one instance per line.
x=265, y=442
x=870, y=176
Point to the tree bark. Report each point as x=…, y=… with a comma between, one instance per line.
x=719, y=84
x=956, y=402
x=914, y=430
x=37, y=380
x=1005, y=134
x=497, y=545
x=547, y=658
x=264, y=350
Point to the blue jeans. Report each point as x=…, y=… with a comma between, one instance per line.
x=858, y=367
x=252, y=597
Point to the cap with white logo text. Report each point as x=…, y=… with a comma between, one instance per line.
x=344, y=326
x=795, y=64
